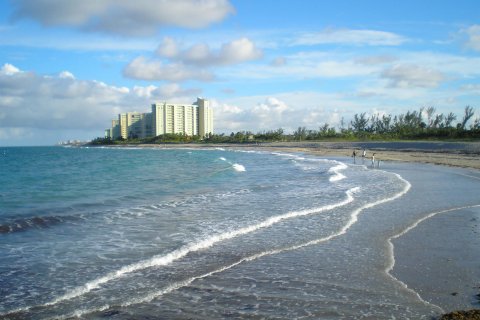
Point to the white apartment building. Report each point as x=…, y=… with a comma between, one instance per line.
x=205, y=117
x=191, y=120
x=134, y=125
x=175, y=118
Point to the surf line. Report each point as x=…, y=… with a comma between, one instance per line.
x=336, y=169
x=162, y=260
x=177, y=285
x=391, y=248
x=237, y=167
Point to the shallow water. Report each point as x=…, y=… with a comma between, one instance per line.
x=99, y=232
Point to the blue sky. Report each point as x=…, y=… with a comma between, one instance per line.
x=68, y=67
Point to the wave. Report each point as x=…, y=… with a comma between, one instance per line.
x=37, y=222
x=238, y=167
x=83, y=213
x=177, y=285
x=162, y=260
x=336, y=170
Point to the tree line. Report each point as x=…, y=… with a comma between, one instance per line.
x=425, y=123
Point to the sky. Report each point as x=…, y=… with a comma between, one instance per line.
x=67, y=68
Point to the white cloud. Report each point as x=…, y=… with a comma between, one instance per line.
x=270, y=111
x=124, y=17
x=164, y=92
x=9, y=69
x=32, y=103
x=31, y=100
x=407, y=76
x=168, y=48
x=287, y=111
x=473, y=33
x=236, y=51
x=144, y=69
x=193, y=63
x=66, y=75
x=350, y=37
x=313, y=109
x=262, y=116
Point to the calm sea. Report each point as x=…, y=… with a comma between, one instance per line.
x=176, y=233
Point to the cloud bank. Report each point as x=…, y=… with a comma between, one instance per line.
x=174, y=63
x=30, y=102
x=123, y=17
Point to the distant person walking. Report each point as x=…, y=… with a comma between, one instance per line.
x=373, y=160
x=364, y=154
x=354, y=154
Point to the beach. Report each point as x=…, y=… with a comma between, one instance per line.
x=439, y=256
x=260, y=231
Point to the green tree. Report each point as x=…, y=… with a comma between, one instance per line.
x=468, y=113
x=359, y=122
x=300, y=134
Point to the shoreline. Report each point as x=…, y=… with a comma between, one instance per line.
x=463, y=155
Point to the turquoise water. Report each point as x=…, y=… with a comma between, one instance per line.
x=190, y=233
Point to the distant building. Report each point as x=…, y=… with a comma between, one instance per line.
x=191, y=120
x=205, y=117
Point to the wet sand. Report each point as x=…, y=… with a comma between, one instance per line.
x=445, y=268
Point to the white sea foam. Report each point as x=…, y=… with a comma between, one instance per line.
x=238, y=167
x=172, y=287
x=162, y=260
x=353, y=219
x=391, y=248
x=336, y=170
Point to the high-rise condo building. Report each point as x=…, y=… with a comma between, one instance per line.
x=205, y=117
x=191, y=120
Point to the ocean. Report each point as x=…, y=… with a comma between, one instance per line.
x=124, y=233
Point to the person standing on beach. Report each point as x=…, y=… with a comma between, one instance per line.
x=373, y=160
x=364, y=153
x=354, y=154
